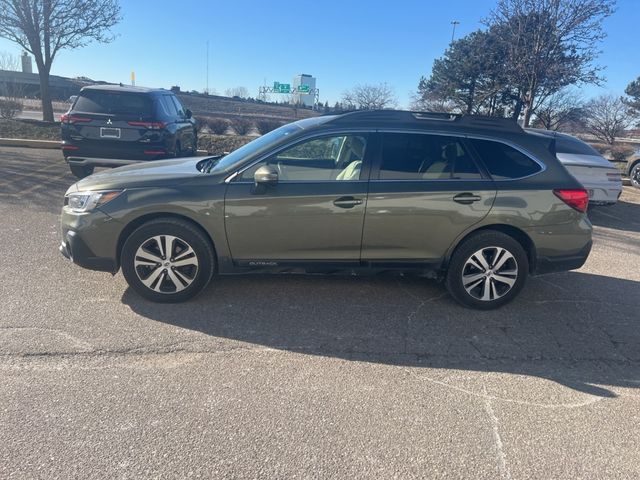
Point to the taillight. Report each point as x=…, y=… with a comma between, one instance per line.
x=66, y=118
x=148, y=125
x=577, y=199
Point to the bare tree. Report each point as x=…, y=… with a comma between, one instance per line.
x=549, y=44
x=241, y=92
x=9, y=62
x=432, y=103
x=44, y=27
x=559, y=110
x=370, y=97
x=607, y=117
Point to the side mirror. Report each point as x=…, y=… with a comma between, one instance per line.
x=188, y=113
x=266, y=175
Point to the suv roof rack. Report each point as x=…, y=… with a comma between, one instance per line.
x=420, y=118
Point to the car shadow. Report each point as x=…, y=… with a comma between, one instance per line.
x=621, y=216
x=577, y=329
x=36, y=177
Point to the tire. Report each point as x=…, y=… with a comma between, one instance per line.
x=81, y=171
x=479, y=290
x=634, y=175
x=159, y=278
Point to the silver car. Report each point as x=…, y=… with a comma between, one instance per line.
x=598, y=175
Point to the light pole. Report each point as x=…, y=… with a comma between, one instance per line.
x=453, y=33
x=207, y=67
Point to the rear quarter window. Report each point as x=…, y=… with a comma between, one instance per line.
x=116, y=103
x=503, y=161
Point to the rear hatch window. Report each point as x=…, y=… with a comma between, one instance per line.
x=566, y=144
x=114, y=103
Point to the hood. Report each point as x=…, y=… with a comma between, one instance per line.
x=584, y=160
x=164, y=173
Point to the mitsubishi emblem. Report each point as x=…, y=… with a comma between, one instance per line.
x=109, y=122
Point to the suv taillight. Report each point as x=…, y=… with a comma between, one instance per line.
x=149, y=125
x=577, y=199
x=66, y=118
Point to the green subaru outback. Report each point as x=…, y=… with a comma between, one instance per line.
x=476, y=202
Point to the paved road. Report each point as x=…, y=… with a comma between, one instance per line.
x=310, y=377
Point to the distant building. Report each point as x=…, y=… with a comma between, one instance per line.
x=26, y=63
x=305, y=99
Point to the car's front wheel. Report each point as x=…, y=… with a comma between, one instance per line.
x=168, y=260
x=487, y=270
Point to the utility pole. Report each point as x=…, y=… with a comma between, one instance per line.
x=453, y=33
x=207, y=67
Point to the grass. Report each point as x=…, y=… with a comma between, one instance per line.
x=219, y=144
x=31, y=129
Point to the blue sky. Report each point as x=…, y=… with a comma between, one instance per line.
x=341, y=43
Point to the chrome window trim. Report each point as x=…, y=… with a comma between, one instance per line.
x=302, y=138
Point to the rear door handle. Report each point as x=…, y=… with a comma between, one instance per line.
x=347, y=202
x=467, y=198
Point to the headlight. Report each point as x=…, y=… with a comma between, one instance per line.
x=86, y=201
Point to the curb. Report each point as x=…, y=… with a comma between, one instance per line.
x=29, y=143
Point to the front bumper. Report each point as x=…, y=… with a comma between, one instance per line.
x=73, y=247
x=90, y=240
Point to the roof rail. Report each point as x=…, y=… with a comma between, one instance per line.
x=419, y=118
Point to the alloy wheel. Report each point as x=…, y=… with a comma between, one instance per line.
x=166, y=264
x=490, y=273
x=635, y=176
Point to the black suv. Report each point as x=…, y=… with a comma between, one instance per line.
x=113, y=125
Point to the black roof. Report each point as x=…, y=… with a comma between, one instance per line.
x=431, y=120
x=124, y=88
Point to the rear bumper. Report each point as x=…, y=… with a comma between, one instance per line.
x=562, y=263
x=604, y=194
x=110, y=154
x=100, y=162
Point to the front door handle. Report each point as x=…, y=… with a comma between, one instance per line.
x=347, y=202
x=467, y=198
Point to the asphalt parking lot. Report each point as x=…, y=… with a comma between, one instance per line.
x=308, y=376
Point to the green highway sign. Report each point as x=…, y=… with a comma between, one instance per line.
x=281, y=87
x=286, y=88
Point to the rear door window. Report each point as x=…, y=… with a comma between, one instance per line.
x=409, y=156
x=503, y=161
x=114, y=103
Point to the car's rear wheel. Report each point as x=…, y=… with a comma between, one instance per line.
x=634, y=175
x=81, y=171
x=168, y=260
x=487, y=270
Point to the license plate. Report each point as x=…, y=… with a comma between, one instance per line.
x=109, y=132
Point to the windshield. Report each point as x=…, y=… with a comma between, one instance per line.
x=261, y=143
